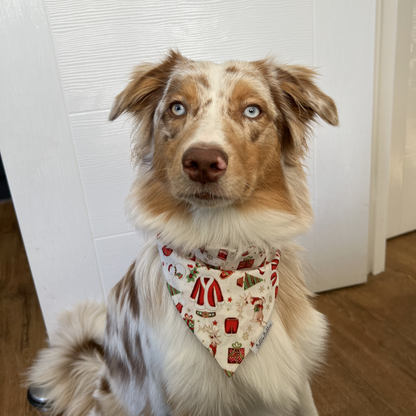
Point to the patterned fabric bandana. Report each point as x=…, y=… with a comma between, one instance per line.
x=225, y=299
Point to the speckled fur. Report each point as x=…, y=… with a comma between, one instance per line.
x=152, y=364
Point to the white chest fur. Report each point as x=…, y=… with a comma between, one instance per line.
x=192, y=381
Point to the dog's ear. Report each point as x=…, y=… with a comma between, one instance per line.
x=140, y=99
x=300, y=101
x=302, y=97
x=145, y=88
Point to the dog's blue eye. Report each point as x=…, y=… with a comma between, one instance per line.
x=252, y=111
x=178, y=109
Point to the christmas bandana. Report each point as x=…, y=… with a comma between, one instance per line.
x=225, y=299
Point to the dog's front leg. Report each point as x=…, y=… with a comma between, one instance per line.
x=307, y=405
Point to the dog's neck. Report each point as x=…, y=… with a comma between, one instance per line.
x=224, y=227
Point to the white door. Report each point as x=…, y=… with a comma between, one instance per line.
x=402, y=189
x=69, y=169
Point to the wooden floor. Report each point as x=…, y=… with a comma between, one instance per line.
x=371, y=364
x=22, y=331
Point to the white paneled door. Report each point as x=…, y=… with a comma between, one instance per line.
x=69, y=169
x=402, y=188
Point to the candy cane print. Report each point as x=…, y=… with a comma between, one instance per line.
x=273, y=277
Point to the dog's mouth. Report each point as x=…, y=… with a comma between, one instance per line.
x=206, y=199
x=206, y=196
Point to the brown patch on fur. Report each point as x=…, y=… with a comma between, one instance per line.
x=242, y=91
x=183, y=90
x=254, y=135
x=88, y=347
x=131, y=290
x=125, y=295
x=126, y=287
x=158, y=201
x=105, y=385
x=245, y=93
x=187, y=91
x=231, y=69
x=206, y=103
x=203, y=80
x=117, y=289
x=117, y=367
x=106, y=403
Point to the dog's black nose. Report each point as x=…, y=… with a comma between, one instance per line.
x=204, y=165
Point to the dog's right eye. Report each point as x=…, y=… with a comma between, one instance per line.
x=178, y=109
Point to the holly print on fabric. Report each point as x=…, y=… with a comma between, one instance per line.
x=225, y=298
x=192, y=274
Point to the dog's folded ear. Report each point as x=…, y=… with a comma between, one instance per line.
x=300, y=101
x=302, y=97
x=140, y=99
x=145, y=88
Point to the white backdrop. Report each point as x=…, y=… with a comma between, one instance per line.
x=69, y=179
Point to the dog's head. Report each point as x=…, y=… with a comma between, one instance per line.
x=220, y=140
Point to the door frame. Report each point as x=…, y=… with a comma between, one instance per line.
x=385, y=80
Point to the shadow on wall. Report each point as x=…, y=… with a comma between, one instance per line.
x=4, y=186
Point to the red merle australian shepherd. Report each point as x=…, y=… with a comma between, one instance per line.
x=213, y=318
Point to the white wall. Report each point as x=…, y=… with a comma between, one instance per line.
x=96, y=44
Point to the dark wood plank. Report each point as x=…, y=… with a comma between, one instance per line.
x=22, y=330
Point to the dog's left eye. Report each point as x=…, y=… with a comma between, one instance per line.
x=178, y=109
x=252, y=111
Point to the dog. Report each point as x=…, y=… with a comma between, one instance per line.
x=218, y=150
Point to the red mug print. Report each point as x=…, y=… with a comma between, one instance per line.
x=231, y=326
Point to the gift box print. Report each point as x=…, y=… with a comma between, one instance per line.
x=246, y=263
x=223, y=254
x=236, y=353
